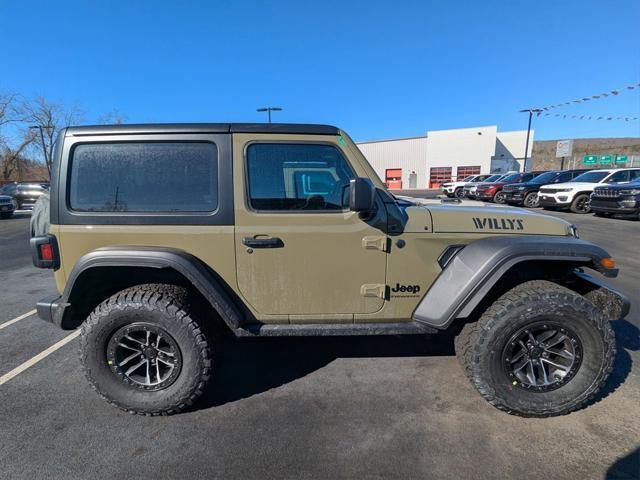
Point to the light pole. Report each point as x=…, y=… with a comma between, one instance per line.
x=269, y=110
x=44, y=146
x=526, y=147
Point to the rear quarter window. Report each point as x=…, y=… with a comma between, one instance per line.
x=144, y=177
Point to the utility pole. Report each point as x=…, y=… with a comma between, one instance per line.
x=526, y=147
x=269, y=110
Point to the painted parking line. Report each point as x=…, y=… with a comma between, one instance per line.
x=32, y=361
x=17, y=319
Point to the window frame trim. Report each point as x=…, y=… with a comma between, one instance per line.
x=247, y=191
x=221, y=215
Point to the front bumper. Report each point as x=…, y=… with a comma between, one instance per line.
x=552, y=201
x=614, y=206
x=516, y=198
x=6, y=208
x=485, y=195
x=51, y=309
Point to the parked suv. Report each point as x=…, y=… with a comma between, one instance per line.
x=456, y=189
x=527, y=193
x=25, y=194
x=7, y=206
x=617, y=199
x=492, y=191
x=576, y=195
x=274, y=230
x=469, y=190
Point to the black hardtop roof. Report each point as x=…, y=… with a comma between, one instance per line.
x=295, y=128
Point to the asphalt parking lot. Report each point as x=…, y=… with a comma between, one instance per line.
x=381, y=407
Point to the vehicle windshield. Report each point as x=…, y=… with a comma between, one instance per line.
x=510, y=178
x=492, y=178
x=590, y=177
x=545, y=177
x=469, y=178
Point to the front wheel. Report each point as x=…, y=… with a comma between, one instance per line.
x=143, y=351
x=581, y=204
x=499, y=197
x=531, y=200
x=459, y=192
x=540, y=350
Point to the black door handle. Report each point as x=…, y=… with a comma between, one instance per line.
x=270, y=242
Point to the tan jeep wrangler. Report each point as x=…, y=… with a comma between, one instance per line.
x=159, y=233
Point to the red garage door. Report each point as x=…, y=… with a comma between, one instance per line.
x=393, y=178
x=438, y=176
x=464, y=172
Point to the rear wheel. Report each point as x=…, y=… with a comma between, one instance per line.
x=531, y=200
x=143, y=351
x=499, y=197
x=581, y=204
x=540, y=350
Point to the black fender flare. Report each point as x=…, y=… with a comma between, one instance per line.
x=157, y=257
x=470, y=274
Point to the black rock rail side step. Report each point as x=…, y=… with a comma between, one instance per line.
x=324, y=329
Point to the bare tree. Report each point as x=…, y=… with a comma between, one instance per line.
x=48, y=118
x=12, y=157
x=114, y=117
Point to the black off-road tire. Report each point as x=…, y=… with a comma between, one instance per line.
x=459, y=193
x=479, y=347
x=164, y=306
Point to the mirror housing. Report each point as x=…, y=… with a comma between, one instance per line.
x=362, y=195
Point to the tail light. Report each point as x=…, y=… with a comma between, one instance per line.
x=44, y=250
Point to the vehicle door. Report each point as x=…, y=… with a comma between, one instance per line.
x=299, y=250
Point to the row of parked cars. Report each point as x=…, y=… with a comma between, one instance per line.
x=604, y=191
x=19, y=196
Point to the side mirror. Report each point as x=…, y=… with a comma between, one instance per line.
x=362, y=195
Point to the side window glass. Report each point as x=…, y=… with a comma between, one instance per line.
x=285, y=177
x=618, y=177
x=564, y=177
x=144, y=177
x=634, y=174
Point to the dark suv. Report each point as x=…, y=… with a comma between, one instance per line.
x=24, y=194
x=617, y=199
x=493, y=191
x=527, y=193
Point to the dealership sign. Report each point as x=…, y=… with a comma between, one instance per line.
x=590, y=159
x=564, y=148
x=621, y=159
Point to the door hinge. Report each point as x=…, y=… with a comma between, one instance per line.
x=373, y=290
x=375, y=243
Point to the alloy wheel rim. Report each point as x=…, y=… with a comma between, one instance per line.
x=583, y=205
x=542, y=356
x=532, y=200
x=144, y=356
x=499, y=197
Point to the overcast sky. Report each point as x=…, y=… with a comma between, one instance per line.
x=376, y=69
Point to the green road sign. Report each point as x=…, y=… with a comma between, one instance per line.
x=606, y=159
x=590, y=159
x=621, y=159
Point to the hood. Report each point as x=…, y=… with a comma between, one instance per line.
x=477, y=217
x=576, y=185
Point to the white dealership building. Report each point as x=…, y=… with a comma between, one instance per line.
x=442, y=155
